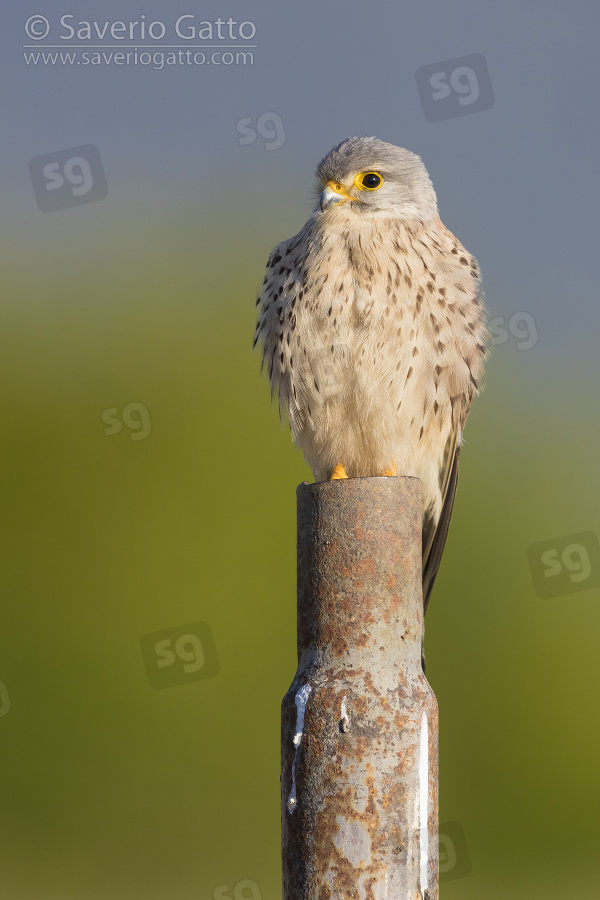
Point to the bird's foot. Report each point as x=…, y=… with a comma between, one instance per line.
x=391, y=470
x=338, y=472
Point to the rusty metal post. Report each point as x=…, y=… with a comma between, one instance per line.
x=359, y=760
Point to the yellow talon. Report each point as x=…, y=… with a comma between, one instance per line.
x=391, y=470
x=338, y=472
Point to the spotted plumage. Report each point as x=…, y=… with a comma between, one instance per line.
x=374, y=331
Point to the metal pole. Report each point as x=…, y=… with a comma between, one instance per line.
x=359, y=769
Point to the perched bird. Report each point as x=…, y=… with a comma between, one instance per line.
x=374, y=331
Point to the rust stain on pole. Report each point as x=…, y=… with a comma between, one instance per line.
x=359, y=722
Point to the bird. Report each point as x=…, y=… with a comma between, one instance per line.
x=374, y=331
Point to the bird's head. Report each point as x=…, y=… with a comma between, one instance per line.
x=371, y=176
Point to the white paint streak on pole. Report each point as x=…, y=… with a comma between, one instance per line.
x=423, y=800
x=301, y=701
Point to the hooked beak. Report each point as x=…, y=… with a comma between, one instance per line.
x=333, y=193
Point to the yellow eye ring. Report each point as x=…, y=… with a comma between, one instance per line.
x=368, y=181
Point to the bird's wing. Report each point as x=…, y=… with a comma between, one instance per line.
x=435, y=533
x=283, y=284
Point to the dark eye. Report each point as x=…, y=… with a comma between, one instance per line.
x=371, y=180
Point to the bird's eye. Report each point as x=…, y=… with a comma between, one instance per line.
x=368, y=181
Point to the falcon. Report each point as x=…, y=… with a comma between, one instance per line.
x=374, y=330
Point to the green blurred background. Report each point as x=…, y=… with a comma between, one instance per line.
x=111, y=788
